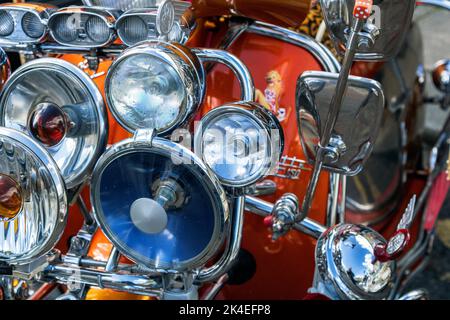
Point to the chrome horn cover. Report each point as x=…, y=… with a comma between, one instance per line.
x=346, y=266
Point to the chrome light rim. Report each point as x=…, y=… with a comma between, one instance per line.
x=96, y=98
x=266, y=120
x=43, y=14
x=185, y=63
x=108, y=16
x=62, y=213
x=165, y=148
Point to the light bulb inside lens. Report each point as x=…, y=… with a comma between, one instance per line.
x=48, y=124
x=234, y=148
x=11, y=200
x=146, y=92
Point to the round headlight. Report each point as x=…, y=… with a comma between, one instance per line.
x=155, y=85
x=159, y=204
x=6, y=24
x=33, y=203
x=240, y=142
x=59, y=106
x=32, y=25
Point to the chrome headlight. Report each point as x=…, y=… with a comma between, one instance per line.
x=240, y=142
x=83, y=26
x=159, y=204
x=33, y=203
x=155, y=85
x=60, y=107
x=138, y=25
x=24, y=23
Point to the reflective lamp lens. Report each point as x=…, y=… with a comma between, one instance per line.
x=65, y=27
x=157, y=210
x=146, y=92
x=57, y=104
x=10, y=198
x=241, y=143
x=6, y=24
x=32, y=25
x=48, y=124
x=97, y=29
x=32, y=215
x=133, y=30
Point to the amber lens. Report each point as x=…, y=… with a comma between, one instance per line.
x=10, y=197
x=47, y=123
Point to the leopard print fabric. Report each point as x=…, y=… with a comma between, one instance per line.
x=310, y=26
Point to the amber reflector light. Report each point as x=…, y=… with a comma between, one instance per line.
x=10, y=197
x=48, y=124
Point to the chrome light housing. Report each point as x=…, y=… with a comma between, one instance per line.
x=159, y=204
x=121, y=4
x=241, y=142
x=155, y=85
x=137, y=25
x=347, y=266
x=58, y=105
x=24, y=23
x=83, y=26
x=33, y=203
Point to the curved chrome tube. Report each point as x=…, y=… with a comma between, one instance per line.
x=233, y=245
x=239, y=69
x=435, y=3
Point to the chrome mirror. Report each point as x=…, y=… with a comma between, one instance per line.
x=356, y=126
x=382, y=35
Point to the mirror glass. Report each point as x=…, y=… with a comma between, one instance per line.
x=358, y=121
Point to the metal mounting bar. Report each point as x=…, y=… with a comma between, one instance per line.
x=264, y=208
x=232, y=248
x=136, y=284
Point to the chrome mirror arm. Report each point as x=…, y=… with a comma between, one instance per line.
x=327, y=148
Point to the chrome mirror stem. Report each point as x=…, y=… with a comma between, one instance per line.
x=326, y=149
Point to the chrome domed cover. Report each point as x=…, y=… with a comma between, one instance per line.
x=347, y=265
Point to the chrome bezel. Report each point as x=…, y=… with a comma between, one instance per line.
x=183, y=61
x=96, y=98
x=43, y=16
x=109, y=17
x=47, y=161
x=164, y=148
x=264, y=118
